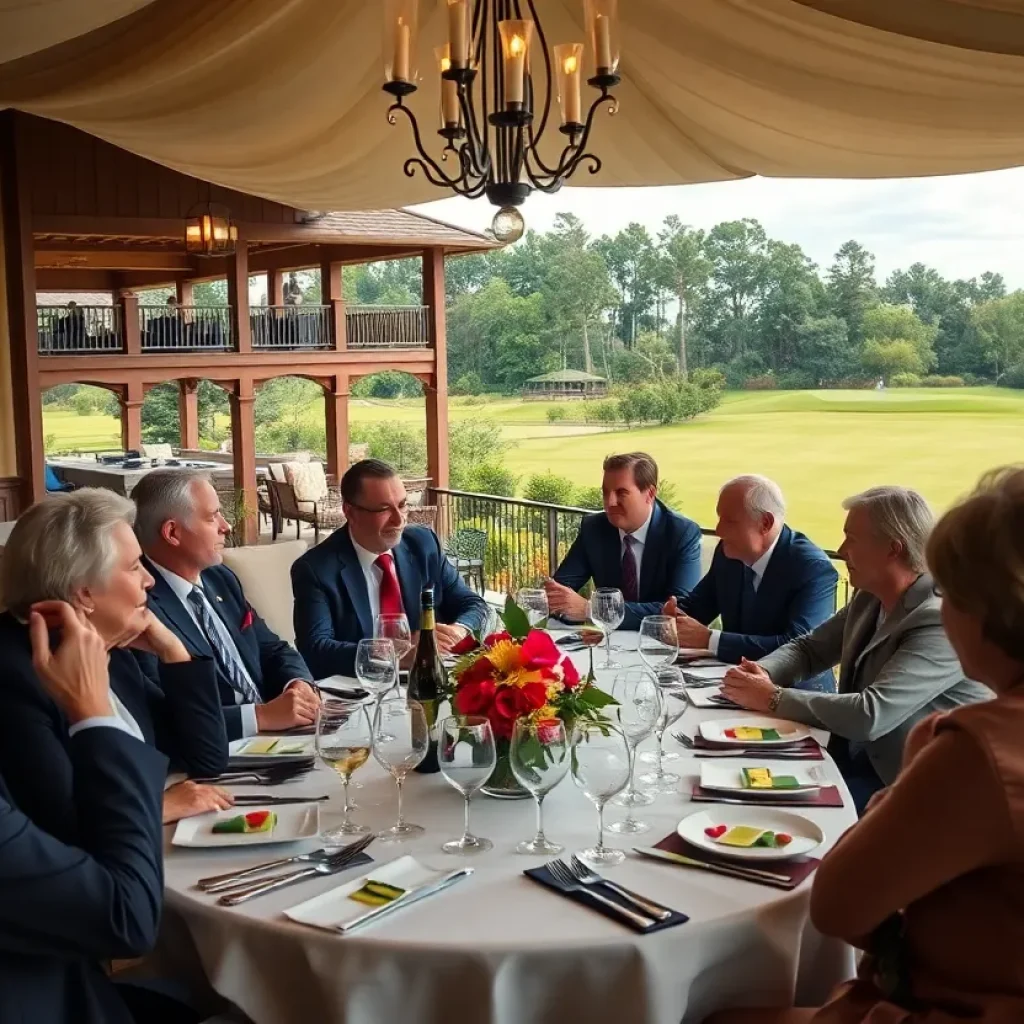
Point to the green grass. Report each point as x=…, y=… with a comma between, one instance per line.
x=819, y=445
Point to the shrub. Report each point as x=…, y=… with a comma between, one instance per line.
x=471, y=400
x=708, y=379
x=291, y=437
x=669, y=494
x=605, y=411
x=556, y=413
x=588, y=497
x=1013, y=377
x=905, y=380
x=796, y=380
x=762, y=382
x=550, y=488
x=493, y=479
x=468, y=384
x=387, y=384
x=935, y=380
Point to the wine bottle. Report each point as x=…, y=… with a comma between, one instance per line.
x=427, y=678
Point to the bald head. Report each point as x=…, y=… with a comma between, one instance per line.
x=751, y=514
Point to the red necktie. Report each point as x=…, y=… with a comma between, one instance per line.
x=390, y=592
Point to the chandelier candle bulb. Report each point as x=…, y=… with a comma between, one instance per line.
x=515, y=39
x=451, y=114
x=568, y=57
x=458, y=32
x=603, y=42
x=401, y=64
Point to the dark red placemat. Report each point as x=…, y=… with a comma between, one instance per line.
x=827, y=796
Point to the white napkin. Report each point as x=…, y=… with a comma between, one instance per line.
x=707, y=672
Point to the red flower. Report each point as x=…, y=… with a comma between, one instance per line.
x=480, y=670
x=534, y=695
x=570, y=676
x=501, y=727
x=465, y=645
x=493, y=638
x=247, y=618
x=475, y=698
x=539, y=651
x=509, y=703
x=547, y=729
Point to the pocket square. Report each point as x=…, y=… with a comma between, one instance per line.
x=247, y=618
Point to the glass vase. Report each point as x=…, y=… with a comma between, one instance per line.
x=503, y=785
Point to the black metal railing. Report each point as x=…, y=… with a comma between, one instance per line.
x=387, y=326
x=526, y=540
x=66, y=330
x=185, y=328
x=291, y=327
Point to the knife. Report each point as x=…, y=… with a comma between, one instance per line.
x=410, y=897
x=254, y=799
x=748, y=874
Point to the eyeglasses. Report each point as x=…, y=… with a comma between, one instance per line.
x=402, y=509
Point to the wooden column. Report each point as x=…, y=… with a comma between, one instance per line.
x=275, y=288
x=183, y=290
x=188, y=413
x=243, y=449
x=437, y=389
x=19, y=345
x=131, y=333
x=238, y=296
x=330, y=295
x=132, y=396
x=336, y=420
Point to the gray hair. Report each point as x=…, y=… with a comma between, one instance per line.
x=899, y=514
x=161, y=495
x=761, y=496
x=60, y=544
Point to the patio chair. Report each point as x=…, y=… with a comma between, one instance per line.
x=465, y=550
x=266, y=507
x=324, y=513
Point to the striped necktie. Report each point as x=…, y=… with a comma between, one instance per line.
x=630, y=587
x=227, y=659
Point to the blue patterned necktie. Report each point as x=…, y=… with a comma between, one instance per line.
x=226, y=658
x=629, y=582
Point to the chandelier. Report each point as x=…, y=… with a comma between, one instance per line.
x=209, y=230
x=495, y=107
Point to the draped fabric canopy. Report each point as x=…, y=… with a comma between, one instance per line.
x=282, y=98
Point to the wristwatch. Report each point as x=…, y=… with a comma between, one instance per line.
x=773, y=704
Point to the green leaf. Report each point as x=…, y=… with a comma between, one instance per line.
x=516, y=622
x=594, y=697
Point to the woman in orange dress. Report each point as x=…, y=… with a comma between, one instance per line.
x=930, y=882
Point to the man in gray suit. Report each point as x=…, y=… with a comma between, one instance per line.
x=896, y=665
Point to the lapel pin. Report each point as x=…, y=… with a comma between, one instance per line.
x=219, y=598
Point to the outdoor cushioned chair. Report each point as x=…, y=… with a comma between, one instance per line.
x=265, y=574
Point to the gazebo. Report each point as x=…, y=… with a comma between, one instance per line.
x=565, y=384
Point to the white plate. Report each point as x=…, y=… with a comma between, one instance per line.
x=334, y=908
x=807, y=837
x=298, y=747
x=725, y=778
x=790, y=732
x=294, y=822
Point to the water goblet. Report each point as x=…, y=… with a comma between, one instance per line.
x=400, y=742
x=466, y=755
x=539, y=758
x=394, y=627
x=658, y=641
x=599, y=764
x=376, y=668
x=343, y=740
x=638, y=709
x=607, y=610
x=535, y=604
x=673, y=704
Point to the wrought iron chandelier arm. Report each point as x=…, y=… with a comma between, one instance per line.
x=574, y=153
x=431, y=169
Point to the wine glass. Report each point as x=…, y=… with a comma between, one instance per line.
x=608, y=609
x=673, y=704
x=466, y=755
x=638, y=710
x=376, y=667
x=343, y=741
x=599, y=763
x=535, y=604
x=658, y=642
x=394, y=627
x=539, y=758
x=400, y=742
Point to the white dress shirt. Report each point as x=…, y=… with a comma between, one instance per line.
x=758, y=569
x=639, y=543
x=182, y=588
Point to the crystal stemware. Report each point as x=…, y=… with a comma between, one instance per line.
x=638, y=709
x=535, y=604
x=599, y=764
x=467, y=756
x=539, y=758
x=400, y=742
x=607, y=610
x=673, y=705
x=343, y=742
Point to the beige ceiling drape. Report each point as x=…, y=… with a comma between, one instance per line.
x=282, y=97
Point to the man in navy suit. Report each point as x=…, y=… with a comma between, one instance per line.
x=65, y=909
x=768, y=583
x=637, y=545
x=375, y=564
x=264, y=683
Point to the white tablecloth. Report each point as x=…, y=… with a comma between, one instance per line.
x=498, y=948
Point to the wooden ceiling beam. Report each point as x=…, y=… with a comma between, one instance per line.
x=122, y=259
x=75, y=281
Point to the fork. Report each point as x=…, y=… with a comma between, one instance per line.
x=585, y=876
x=217, y=883
x=329, y=866
x=565, y=878
x=263, y=777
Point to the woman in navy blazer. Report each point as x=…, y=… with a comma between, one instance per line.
x=79, y=548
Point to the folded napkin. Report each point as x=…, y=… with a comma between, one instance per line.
x=708, y=696
x=808, y=748
x=544, y=877
x=795, y=871
x=827, y=796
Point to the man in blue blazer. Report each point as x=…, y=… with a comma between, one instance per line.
x=375, y=563
x=66, y=909
x=768, y=583
x=637, y=545
x=264, y=683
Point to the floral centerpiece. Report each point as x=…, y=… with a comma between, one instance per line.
x=519, y=673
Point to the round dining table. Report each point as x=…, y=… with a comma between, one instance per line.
x=498, y=948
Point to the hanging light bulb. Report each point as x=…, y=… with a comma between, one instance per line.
x=508, y=224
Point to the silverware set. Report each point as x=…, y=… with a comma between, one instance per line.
x=577, y=877
x=731, y=870
x=771, y=753
x=240, y=886
x=255, y=800
x=271, y=775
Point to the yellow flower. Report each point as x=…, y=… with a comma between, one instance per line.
x=505, y=657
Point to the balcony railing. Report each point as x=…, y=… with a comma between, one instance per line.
x=526, y=540
x=63, y=329
x=185, y=328
x=283, y=328
x=387, y=326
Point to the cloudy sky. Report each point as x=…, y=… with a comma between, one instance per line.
x=961, y=225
